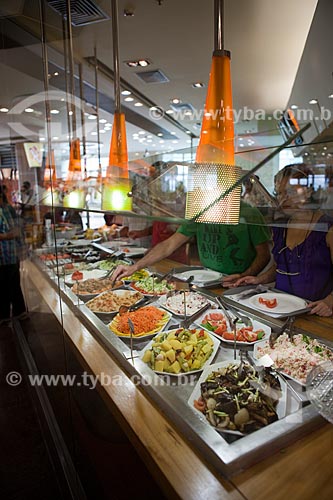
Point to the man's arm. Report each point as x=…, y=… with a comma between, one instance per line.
x=260, y=261
x=157, y=253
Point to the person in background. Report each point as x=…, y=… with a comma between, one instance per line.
x=27, y=203
x=161, y=231
x=11, y=297
x=303, y=245
x=236, y=250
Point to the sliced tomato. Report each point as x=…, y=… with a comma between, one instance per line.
x=228, y=336
x=77, y=275
x=216, y=316
x=220, y=329
x=250, y=336
x=271, y=303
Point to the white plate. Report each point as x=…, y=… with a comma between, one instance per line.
x=82, y=242
x=190, y=309
x=286, y=303
x=256, y=326
x=133, y=251
x=200, y=275
x=281, y=408
x=93, y=274
x=113, y=292
x=216, y=345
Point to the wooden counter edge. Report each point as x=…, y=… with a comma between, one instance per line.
x=184, y=470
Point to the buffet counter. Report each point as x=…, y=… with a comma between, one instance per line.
x=187, y=458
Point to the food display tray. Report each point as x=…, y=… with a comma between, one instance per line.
x=226, y=453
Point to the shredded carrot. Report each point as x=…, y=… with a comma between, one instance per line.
x=144, y=320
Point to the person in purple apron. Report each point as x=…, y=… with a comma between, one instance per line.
x=303, y=244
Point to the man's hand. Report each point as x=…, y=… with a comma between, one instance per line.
x=245, y=280
x=123, y=271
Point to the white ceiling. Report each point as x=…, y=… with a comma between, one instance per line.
x=266, y=39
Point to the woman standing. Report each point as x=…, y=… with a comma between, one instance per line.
x=303, y=245
x=11, y=297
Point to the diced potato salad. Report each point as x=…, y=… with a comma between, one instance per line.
x=179, y=351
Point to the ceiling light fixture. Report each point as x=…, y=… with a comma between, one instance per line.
x=4, y=110
x=175, y=100
x=313, y=101
x=126, y=92
x=198, y=85
x=54, y=111
x=213, y=197
x=29, y=110
x=140, y=62
x=330, y=96
x=129, y=99
x=294, y=106
x=116, y=188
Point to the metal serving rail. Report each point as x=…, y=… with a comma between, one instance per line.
x=227, y=454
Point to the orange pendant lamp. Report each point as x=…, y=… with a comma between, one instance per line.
x=212, y=195
x=50, y=175
x=116, y=194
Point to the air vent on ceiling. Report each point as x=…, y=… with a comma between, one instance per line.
x=155, y=76
x=82, y=11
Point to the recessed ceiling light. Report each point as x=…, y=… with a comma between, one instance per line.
x=160, y=134
x=129, y=99
x=54, y=111
x=102, y=120
x=330, y=96
x=313, y=101
x=4, y=110
x=29, y=110
x=55, y=73
x=294, y=106
x=325, y=147
x=175, y=100
x=92, y=117
x=126, y=92
x=188, y=131
x=140, y=62
x=198, y=85
x=241, y=145
x=138, y=104
x=70, y=113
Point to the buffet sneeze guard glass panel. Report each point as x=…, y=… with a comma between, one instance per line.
x=69, y=239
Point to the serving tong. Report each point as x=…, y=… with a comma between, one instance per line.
x=287, y=327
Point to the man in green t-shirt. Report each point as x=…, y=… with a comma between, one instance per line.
x=237, y=250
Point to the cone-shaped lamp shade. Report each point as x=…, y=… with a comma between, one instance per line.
x=210, y=197
x=116, y=194
x=118, y=158
x=74, y=167
x=217, y=132
x=50, y=176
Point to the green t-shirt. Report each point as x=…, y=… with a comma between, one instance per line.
x=229, y=248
